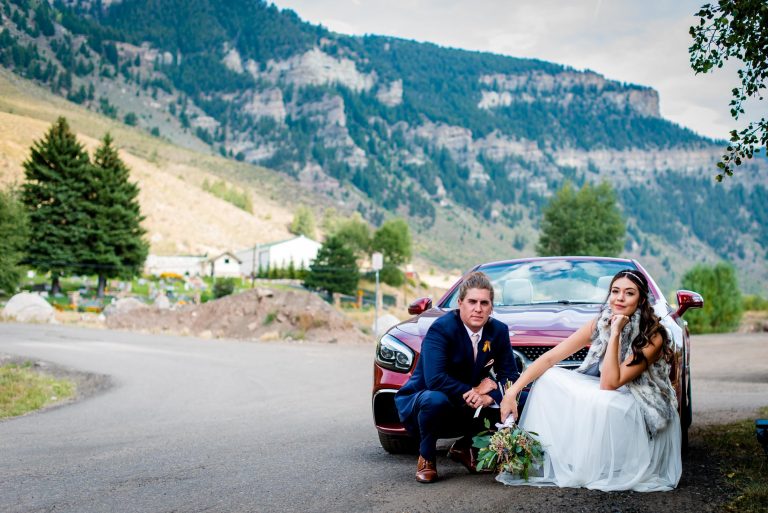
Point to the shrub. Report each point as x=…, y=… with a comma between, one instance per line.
x=754, y=303
x=223, y=287
x=722, y=298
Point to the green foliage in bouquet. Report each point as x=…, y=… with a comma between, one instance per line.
x=510, y=449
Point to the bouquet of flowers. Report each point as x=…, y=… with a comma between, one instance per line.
x=510, y=449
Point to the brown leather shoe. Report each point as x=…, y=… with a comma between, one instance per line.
x=426, y=471
x=467, y=456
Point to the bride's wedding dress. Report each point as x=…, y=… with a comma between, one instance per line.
x=596, y=438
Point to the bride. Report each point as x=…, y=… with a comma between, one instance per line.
x=612, y=424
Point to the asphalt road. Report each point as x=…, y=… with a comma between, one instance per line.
x=208, y=425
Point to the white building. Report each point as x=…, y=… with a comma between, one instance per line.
x=299, y=250
x=187, y=265
x=226, y=265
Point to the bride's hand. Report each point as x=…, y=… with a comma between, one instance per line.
x=509, y=407
x=617, y=323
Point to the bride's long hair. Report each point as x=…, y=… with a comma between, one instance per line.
x=650, y=323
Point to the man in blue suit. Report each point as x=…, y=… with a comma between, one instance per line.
x=452, y=377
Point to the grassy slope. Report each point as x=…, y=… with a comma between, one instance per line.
x=181, y=217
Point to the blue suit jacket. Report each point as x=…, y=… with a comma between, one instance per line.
x=447, y=364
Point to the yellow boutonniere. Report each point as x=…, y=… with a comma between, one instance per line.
x=486, y=346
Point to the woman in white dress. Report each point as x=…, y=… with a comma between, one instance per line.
x=612, y=424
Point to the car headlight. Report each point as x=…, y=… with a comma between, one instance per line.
x=521, y=360
x=393, y=354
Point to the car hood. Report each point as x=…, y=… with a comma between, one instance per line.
x=545, y=321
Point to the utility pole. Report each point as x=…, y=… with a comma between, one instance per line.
x=253, y=265
x=377, y=262
x=253, y=268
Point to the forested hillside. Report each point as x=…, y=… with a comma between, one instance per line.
x=417, y=129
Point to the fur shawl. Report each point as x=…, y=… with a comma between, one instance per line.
x=652, y=389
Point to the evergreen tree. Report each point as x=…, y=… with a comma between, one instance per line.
x=334, y=269
x=116, y=238
x=13, y=239
x=583, y=222
x=56, y=179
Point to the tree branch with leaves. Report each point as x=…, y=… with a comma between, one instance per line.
x=735, y=29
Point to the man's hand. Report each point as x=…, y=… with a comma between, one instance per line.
x=485, y=386
x=479, y=394
x=473, y=399
x=509, y=407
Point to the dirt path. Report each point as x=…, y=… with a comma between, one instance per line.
x=730, y=376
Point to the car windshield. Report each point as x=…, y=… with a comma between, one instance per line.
x=549, y=282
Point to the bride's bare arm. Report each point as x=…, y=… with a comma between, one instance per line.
x=613, y=375
x=564, y=349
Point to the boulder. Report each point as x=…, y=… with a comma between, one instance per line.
x=126, y=304
x=162, y=302
x=27, y=307
x=385, y=322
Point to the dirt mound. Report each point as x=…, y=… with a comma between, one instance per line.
x=258, y=314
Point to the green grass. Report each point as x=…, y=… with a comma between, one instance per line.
x=743, y=463
x=23, y=390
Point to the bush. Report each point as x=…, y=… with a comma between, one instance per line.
x=391, y=275
x=722, y=298
x=223, y=287
x=754, y=303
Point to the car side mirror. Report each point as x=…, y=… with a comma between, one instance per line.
x=687, y=299
x=421, y=305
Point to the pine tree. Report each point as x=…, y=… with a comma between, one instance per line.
x=56, y=174
x=116, y=238
x=334, y=269
x=13, y=239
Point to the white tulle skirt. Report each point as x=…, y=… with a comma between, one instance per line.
x=596, y=438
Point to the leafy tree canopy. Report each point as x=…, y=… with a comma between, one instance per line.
x=583, y=222
x=735, y=29
x=303, y=222
x=393, y=240
x=722, y=298
x=354, y=233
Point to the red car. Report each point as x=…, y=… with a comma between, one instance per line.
x=542, y=300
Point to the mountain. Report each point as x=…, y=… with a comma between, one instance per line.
x=468, y=146
x=181, y=217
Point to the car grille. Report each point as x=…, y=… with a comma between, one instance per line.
x=533, y=352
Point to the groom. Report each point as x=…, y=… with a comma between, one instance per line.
x=452, y=377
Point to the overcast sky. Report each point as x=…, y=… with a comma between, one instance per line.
x=638, y=41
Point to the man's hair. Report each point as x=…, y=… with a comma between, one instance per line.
x=475, y=280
